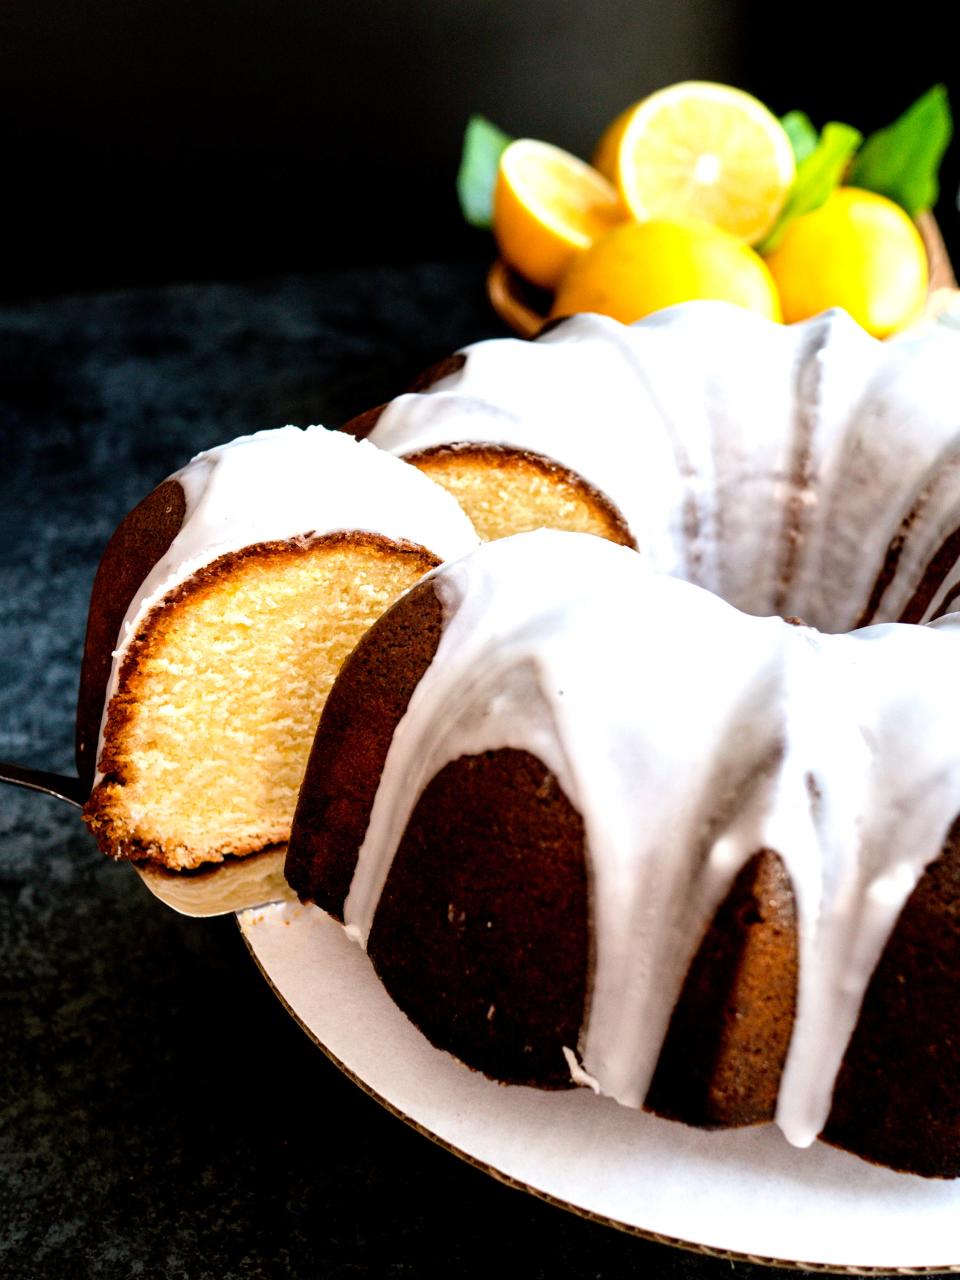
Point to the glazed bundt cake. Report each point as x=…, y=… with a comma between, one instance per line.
x=595, y=825
x=663, y=837
x=806, y=469
x=222, y=610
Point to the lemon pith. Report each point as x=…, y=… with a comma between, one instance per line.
x=548, y=206
x=700, y=150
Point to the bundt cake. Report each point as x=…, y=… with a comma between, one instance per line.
x=805, y=470
x=595, y=825
x=222, y=610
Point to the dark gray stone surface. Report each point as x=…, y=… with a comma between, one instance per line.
x=160, y=1114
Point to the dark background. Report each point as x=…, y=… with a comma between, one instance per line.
x=157, y=140
x=160, y=1114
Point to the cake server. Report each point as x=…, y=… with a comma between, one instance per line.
x=222, y=889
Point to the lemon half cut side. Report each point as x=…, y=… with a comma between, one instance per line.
x=700, y=150
x=548, y=206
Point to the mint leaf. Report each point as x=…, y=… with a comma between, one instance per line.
x=483, y=145
x=817, y=175
x=902, y=161
x=803, y=136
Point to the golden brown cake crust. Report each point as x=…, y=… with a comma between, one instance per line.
x=723, y=1055
x=444, y=368
x=508, y=835
x=112, y=836
x=361, y=713
x=361, y=426
x=493, y=838
x=486, y=947
x=535, y=972
x=496, y=456
x=609, y=522
x=897, y=1097
x=137, y=544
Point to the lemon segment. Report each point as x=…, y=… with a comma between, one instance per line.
x=700, y=150
x=641, y=267
x=859, y=251
x=548, y=206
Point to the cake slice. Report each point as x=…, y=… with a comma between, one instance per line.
x=515, y=458
x=222, y=611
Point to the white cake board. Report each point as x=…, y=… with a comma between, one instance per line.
x=743, y=1193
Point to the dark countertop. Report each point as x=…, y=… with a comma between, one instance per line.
x=162, y=1116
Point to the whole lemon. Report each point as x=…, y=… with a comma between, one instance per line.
x=640, y=267
x=859, y=251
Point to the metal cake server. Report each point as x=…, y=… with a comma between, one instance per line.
x=222, y=889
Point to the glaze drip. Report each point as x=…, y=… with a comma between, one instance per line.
x=693, y=737
x=285, y=484
x=774, y=465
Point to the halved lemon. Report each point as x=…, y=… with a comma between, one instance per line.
x=548, y=206
x=700, y=150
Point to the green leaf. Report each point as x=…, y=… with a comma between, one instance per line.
x=817, y=175
x=803, y=136
x=902, y=161
x=483, y=145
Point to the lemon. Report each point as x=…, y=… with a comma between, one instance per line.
x=859, y=251
x=640, y=267
x=700, y=150
x=548, y=206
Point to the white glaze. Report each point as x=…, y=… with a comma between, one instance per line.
x=689, y=736
x=292, y=483
x=743, y=455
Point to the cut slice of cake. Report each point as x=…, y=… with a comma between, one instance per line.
x=222, y=611
x=513, y=461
